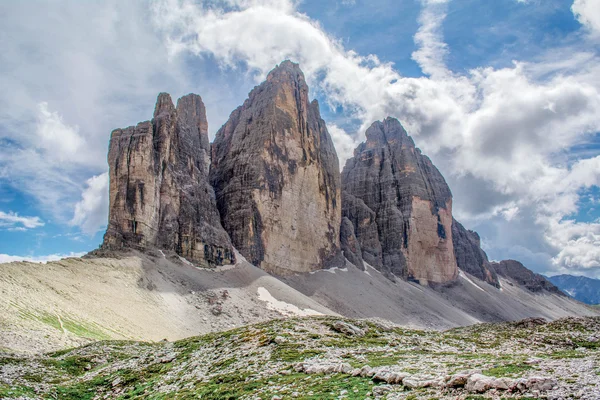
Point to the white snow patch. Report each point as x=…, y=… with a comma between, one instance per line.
x=373, y=268
x=185, y=261
x=162, y=254
x=239, y=257
x=460, y=273
x=287, y=309
x=332, y=270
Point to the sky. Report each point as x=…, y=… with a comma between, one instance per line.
x=503, y=96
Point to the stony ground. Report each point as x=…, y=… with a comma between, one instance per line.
x=325, y=358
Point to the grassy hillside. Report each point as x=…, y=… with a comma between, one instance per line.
x=324, y=358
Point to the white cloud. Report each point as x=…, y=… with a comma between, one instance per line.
x=68, y=79
x=58, y=139
x=91, y=213
x=5, y=258
x=431, y=50
x=14, y=221
x=587, y=13
x=344, y=143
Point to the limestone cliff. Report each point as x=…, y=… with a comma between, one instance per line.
x=276, y=177
x=470, y=257
x=160, y=196
x=400, y=206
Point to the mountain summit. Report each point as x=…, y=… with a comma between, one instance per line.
x=400, y=205
x=276, y=176
x=160, y=196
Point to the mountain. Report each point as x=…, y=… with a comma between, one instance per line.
x=530, y=280
x=400, y=206
x=584, y=289
x=160, y=197
x=276, y=177
x=261, y=224
x=470, y=257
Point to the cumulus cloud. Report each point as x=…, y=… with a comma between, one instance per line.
x=13, y=221
x=58, y=139
x=91, y=212
x=587, y=13
x=431, y=50
x=505, y=128
x=66, y=84
x=6, y=258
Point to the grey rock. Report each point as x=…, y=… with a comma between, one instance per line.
x=366, y=371
x=416, y=383
x=470, y=257
x=348, y=329
x=276, y=177
x=478, y=383
x=400, y=206
x=350, y=245
x=542, y=384
x=519, y=274
x=382, y=390
x=160, y=196
x=344, y=368
x=459, y=379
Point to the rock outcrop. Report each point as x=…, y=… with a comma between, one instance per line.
x=276, y=177
x=518, y=273
x=350, y=246
x=400, y=206
x=470, y=257
x=160, y=196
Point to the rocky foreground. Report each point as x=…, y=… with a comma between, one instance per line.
x=326, y=358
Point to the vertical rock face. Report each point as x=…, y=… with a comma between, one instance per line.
x=160, y=196
x=276, y=176
x=400, y=206
x=469, y=255
x=350, y=246
x=517, y=272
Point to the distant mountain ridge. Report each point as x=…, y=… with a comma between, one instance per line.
x=582, y=288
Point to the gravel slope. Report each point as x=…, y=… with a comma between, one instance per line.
x=74, y=301
x=51, y=306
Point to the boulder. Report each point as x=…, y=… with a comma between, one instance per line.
x=348, y=329
x=478, y=383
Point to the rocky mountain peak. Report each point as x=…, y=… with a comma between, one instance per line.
x=164, y=105
x=518, y=273
x=387, y=132
x=276, y=177
x=400, y=205
x=160, y=197
x=286, y=71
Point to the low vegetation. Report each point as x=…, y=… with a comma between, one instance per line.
x=322, y=358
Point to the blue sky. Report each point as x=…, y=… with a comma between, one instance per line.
x=504, y=96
